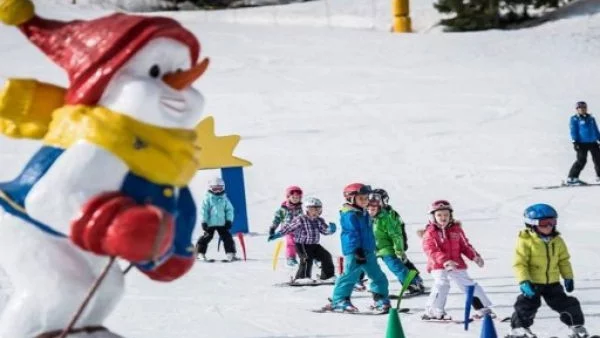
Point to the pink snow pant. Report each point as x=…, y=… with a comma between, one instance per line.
x=290, y=246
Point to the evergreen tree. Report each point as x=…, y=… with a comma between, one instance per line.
x=470, y=15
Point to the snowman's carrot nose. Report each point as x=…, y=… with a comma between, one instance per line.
x=183, y=79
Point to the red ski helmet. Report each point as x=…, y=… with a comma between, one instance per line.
x=354, y=189
x=293, y=189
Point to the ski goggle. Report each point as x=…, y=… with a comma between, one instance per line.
x=375, y=199
x=295, y=192
x=217, y=188
x=543, y=223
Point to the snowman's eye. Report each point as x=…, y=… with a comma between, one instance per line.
x=178, y=70
x=154, y=71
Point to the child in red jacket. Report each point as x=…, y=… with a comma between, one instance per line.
x=444, y=243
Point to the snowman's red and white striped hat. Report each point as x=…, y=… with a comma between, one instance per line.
x=92, y=51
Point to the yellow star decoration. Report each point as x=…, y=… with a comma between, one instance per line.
x=216, y=151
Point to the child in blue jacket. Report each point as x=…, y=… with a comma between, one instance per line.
x=217, y=215
x=585, y=137
x=358, y=247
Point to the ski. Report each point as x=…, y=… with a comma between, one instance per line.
x=206, y=260
x=445, y=321
x=212, y=260
x=369, y=312
x=314, y=283
x=411, y=295
x=462, y=321
x=563, y=184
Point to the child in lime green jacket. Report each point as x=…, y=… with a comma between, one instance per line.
x=541, y=259
x=390, y=241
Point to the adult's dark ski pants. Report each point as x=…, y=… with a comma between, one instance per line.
x=554, y=295
x=224, y=234
x=582, y=152
x=310, y=252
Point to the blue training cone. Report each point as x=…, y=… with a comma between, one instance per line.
x=487, y=329
x=468, y=304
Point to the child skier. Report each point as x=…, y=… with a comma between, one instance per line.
x=541, y=258
x=389, y=241
x=358, y=247
x=444, y=243
x=418, y=287
x=290, y=208
x=217, y=215
x=585, y=137
x=306, y=229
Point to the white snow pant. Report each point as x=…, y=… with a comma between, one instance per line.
x=441, y=286
x=51, y=277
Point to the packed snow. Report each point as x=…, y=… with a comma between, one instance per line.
x=477, y=118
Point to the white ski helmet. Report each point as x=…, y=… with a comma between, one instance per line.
x=313, y=202
x=216, y=183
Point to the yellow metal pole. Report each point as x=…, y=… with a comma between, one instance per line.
x=401, y=20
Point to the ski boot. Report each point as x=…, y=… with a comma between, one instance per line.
x=520, y=332
x=201, y=257
x=381, y=304
x=360, y=286
x=436, y=315
x=341, y=306
x=481, y=313
x=574, y=181
x=579, y=332
x=231, y=257
x=291, y=261
x=415, y=290
x=441, y=317
x=331, y=279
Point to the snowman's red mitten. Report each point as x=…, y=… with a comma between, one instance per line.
x=175, y=267
x=114, y=224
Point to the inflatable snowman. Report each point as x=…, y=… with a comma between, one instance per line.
x=110, y=179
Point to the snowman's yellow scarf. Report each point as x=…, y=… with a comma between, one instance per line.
x=161, y=155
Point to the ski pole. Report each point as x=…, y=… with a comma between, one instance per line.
x=87, y=299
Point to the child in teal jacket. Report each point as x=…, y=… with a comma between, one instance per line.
x=217, y=215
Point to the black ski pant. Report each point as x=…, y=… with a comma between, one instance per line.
x=310, y=252
x=208, y=235
x=582, y=152
x=568, y=307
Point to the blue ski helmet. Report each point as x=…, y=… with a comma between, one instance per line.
x=539, y=211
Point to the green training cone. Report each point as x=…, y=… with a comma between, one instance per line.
x=394, y=328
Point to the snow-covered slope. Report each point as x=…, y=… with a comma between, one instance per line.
x=475, y=118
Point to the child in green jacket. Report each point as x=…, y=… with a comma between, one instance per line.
x=390, y=241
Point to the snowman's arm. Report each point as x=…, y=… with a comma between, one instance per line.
x=83, y=171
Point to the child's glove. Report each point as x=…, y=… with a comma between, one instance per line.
x=274, y=236
x=450, y=265
x=332, y=228
x=227, y=225
x=359, y=255
x=401, y=256
x=272, y=230
x=527, y=289
x=576, y=146
x=204, y=226
x=569, y=285
x=479, y=261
